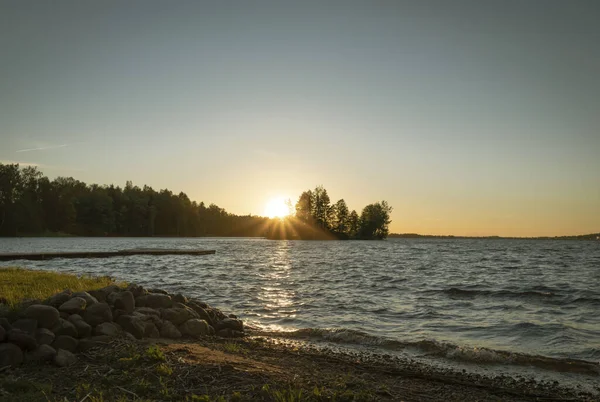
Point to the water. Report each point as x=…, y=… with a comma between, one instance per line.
x=485, y=300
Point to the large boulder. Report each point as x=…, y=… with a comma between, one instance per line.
x=22, y=339
x=46, y=316
x=151, y=330
x=64, y=358
x=230, y=323
x=194, y=327
x=97, y=314
x=26, y=325
x=202, y=313
x=106, y=328
x=123, y=301
x=177, y=315
x=83, y=328
x=75, y=305
x=65, y=342
x=154, y=300
x=133, y=324
x=137, y=290
x=179, y=298
x=64, y=327
x=89, y=299
x=168, y=330
x=147, y=311
x=44, y=336
x=10, y=355
x=43, y=353
x=4, y=323
x=59, y=299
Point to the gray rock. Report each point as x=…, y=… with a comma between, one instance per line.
x=132, y=324
x=156, y=300
x=89, y=299
x=44, y=336
x=97, y=314
x=74, y=306
x=43, y=353
x=106, y=328
x=147, y=311
x=65, y=342
x=4, y=323
x=26, y=325
x=168, y=330
x=28, y=302
x=64, y=327
x=151, y=331
x=137, y=290
x=202, y=313
x=22, y=339
x=179, y=298
x=46, y=316
x=64, y=358
x=158, y=291
x=194, y=327
x=10, y=355
x=125, y=301
x=93, y=342
x=83, y=328
x=177, y=315
x=230, y=323
x=58, y=299
x=229, y=333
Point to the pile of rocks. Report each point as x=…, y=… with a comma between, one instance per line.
x=55, y=329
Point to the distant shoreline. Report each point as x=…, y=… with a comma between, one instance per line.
x=592, y=236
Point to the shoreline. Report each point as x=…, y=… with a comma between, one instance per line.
x=240, y=366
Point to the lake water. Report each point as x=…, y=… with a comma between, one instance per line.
x=467, y=299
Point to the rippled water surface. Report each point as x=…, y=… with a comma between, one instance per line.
x=532, y=297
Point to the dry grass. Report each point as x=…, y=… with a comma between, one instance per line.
x=17, y=284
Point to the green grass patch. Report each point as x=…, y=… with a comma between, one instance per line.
x=17, y=284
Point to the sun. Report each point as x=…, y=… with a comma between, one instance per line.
x=276, y=208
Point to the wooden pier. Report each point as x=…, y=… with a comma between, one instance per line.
x=99, y=254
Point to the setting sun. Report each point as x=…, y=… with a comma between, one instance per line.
x=276, y=208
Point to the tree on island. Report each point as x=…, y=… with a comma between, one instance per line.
x=316, y=218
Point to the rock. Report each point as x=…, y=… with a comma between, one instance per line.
x=92, y=342
x=106, y=328
x=125, y=301
x=132, y=324
x=168, y=330
x=64, y=316
x=232, y=316
x=202, y=313
x=64, y=327
x=26, y=325
x=158, y=291
x=89, y=299
x=10, y=355
x=179, y=298
x=177, y=315
x=28, y=302
x=194, y=327
x=22, y=339
x=64, y=358
x=83, y=328
x=46, y=316
x=229, y=333
x=97, y=314
x=230, y=323
x=150, y=330
x=58, y=299
x=5, y=324
x=44, y=336
x=154, y=300
x=178, y=305
x=147, y=311
x=43, y=353
x=73, y=306
x=65, y=342
x=117, y=313
x=2, y=334
x=137, y=290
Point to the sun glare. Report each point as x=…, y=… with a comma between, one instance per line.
x=276, y=208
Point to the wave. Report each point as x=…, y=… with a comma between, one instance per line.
x=433, y=348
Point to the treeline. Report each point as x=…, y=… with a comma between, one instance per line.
x=315, y=217
x=32, y=204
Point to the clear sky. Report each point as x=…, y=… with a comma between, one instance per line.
x=468, y=117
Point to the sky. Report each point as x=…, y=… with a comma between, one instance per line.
x=469, y=117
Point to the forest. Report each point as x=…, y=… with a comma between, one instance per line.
x=31, y=204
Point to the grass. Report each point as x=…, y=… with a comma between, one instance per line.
x=17, y=284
